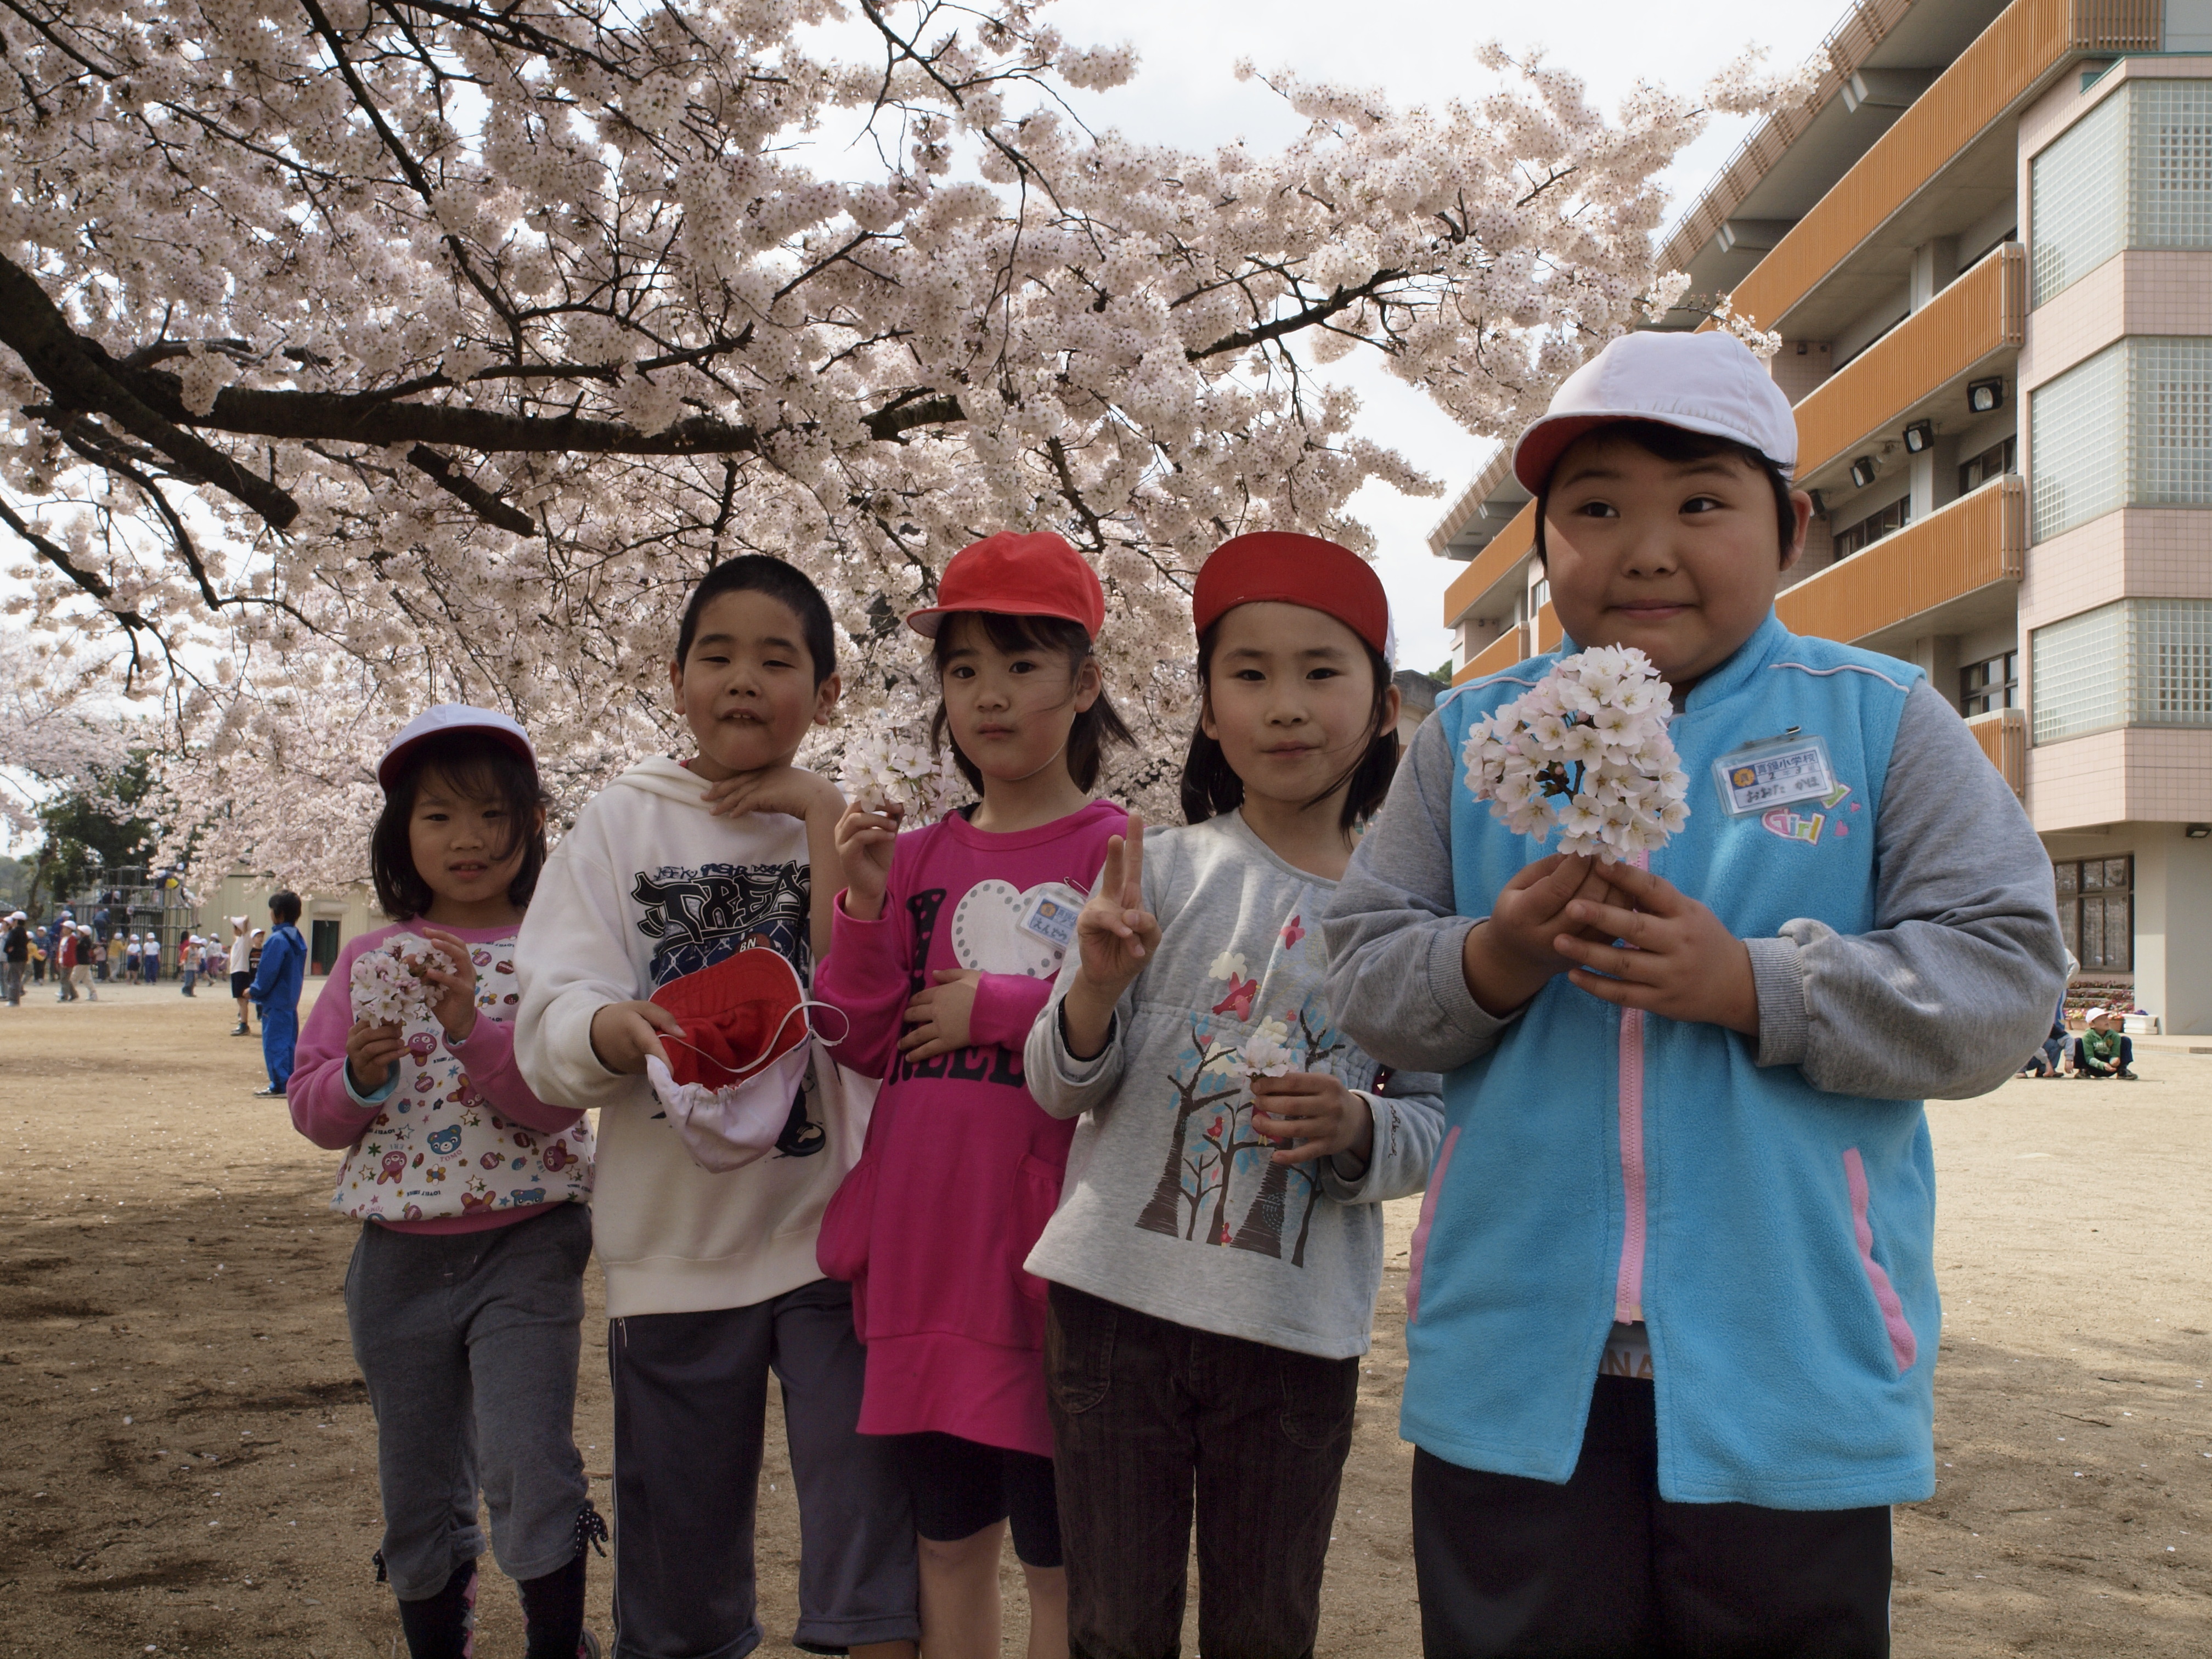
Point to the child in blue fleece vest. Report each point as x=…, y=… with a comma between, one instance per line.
x=1672, y=1316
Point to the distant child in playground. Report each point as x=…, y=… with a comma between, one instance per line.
x=241, y=973
x=676, y=928
x=947, y=939
x=278, y=978
x=1672, y=1316
x=465, y=1294
x=1215, y=1266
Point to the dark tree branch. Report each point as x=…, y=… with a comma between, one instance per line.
x=478, y=500
x=78, y=373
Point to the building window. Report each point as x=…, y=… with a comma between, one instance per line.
x=1539, y=595
x=2131, y=427
x=1994, y=462
x=2137, y=662
x=2076, y=199
x=2136, y=171
x=2097, y=912
x=2076, y=448
x=1872, y=528
x=2170, y=164
x=1986, y=687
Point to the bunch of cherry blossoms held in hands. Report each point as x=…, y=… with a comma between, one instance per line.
x=880, y=769
x=388, y=984
x=1586, y=752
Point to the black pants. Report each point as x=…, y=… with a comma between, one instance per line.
x=1148, y=1415
x=1603, y=1565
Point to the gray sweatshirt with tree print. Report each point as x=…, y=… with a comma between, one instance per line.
x=1172, y=1204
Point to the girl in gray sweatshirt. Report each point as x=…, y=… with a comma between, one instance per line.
x=1213, y=1264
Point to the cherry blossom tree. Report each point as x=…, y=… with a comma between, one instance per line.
x=362, y=353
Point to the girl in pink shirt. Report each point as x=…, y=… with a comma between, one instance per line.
x=464, y=1296
x=945, y=946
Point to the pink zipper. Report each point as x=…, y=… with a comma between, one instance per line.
x=1628, y=1285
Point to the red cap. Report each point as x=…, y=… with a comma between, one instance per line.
x=1294, y=569
x=1038, y=575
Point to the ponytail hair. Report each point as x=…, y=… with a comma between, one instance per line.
x=1212, y=788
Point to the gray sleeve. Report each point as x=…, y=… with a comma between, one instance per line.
x=1394, y=932
x=1409, y=1126
x=1063, y=1085
x=1957, y=980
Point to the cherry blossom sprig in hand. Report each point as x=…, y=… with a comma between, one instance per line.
x=1586, y=752
x=881, y=769
x=388, y=984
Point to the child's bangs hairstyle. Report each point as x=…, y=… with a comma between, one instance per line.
x=1212, y=788
x=475, y=768
x=1053, y=636
x=1676, y=445
x=757, y=572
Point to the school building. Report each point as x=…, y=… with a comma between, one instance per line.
x=1987, y=246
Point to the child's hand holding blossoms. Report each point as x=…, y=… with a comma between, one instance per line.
x=1685, y=963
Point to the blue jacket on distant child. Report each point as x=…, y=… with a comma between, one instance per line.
x=275, y=987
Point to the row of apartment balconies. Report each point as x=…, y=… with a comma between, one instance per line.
x=1957, y=565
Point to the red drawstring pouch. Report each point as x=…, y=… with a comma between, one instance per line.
x=732, y=1074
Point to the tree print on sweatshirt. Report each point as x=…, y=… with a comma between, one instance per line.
x=1214, y=1159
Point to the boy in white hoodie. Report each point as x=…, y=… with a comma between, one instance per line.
x=711, y=1279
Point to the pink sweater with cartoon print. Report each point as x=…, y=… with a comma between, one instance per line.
x=962, y=1167
x=415, y=1149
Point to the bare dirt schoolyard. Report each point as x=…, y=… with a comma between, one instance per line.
x=190, y=1459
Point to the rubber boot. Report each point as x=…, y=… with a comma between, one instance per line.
x=442, y=1626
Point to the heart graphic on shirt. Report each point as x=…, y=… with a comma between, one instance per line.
x=987, y=932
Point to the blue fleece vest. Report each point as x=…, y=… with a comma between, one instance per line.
x=1786, y=1281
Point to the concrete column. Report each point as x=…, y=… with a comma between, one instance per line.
x=2173, y=927
x=1934, y=264
x=1936, y=655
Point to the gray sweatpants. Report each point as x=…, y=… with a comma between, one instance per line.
x=690, y=1407
x=469, y=1344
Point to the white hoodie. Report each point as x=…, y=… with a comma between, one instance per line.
x=648, y=887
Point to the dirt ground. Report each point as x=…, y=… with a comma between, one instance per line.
x=190, y=1459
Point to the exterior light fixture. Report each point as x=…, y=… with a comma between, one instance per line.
x=2198, y=831
x=1819, y=504
x=1919, y=436
x=1983, y=396
x=1863, y=471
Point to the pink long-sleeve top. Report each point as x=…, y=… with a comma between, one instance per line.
x=963, y=1167
x=454, y=1142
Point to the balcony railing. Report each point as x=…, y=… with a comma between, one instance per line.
x=1983, y=312
x=2003, y=734
x=2003, y=66
x=1977, y=540
x=1491, y=566
x=1513, y=645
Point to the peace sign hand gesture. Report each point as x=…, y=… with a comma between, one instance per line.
x=1115, y=935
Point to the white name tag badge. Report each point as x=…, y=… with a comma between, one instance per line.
x=1776, y=772
x=1051, y=915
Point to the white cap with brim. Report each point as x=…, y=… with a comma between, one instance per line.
x=436, y=721
x=1707, y=382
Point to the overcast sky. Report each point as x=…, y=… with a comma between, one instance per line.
x=1186, y=93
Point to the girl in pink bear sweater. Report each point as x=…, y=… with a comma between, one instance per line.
x=944, y=946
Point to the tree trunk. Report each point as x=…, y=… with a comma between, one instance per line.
x=1262, y=1231
x=1305, y=1223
